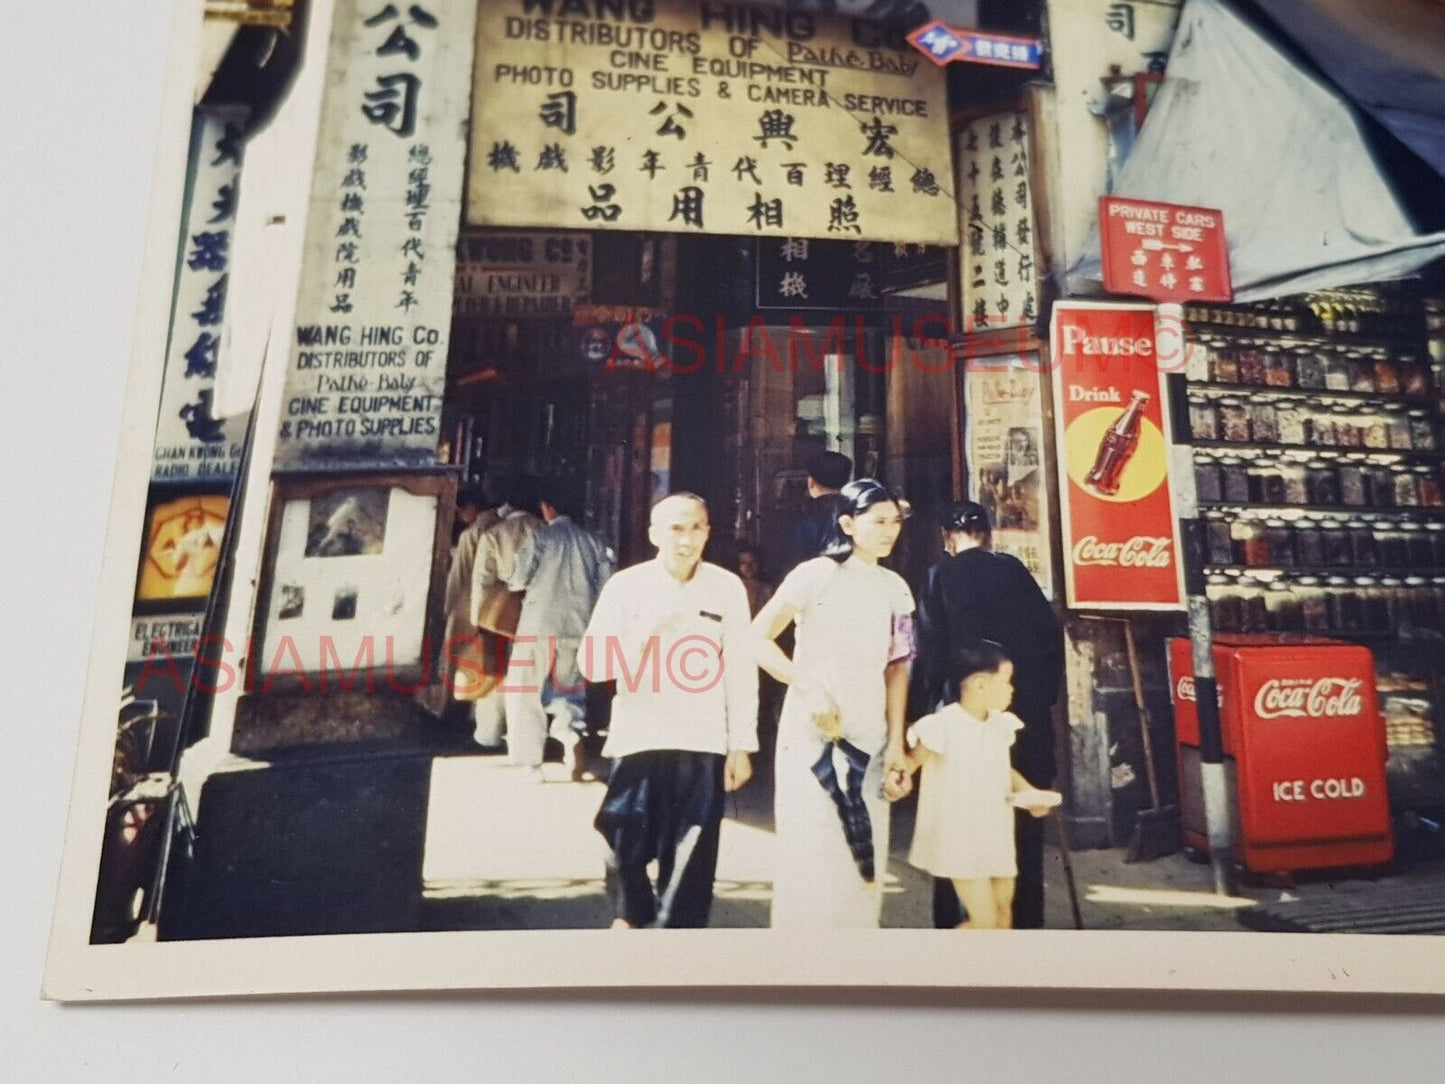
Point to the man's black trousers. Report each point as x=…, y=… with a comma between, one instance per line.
x=664, y=805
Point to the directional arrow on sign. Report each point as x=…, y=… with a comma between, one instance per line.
x=944, y=44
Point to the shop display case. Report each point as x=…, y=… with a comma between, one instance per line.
x=1316, y=425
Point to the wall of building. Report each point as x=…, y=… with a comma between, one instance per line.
x=1087, y=38
x=1102, y=763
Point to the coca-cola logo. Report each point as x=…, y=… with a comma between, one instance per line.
x=1184, y=689
x=1141, y=551
x=1308, y=698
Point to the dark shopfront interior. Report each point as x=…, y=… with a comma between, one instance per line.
x=734, y=418
x=522, y=397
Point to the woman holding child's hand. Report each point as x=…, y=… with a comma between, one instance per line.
x=841, y=756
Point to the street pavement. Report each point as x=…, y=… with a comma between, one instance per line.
x=506, y=851
x=458, y=840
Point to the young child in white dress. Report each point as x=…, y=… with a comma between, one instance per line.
x=965, y=826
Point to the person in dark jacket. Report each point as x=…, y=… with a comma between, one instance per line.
x=828, y=472
x=976, y=594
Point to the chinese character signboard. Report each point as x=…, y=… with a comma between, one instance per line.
x=711, y=118
x=190, y=442
x=800, y=273
x=368, y=361
x=999, y=269
x=942, y=44
x=1004, y=451
x=1120, y=533
x=519, y=275
x=1163, y=251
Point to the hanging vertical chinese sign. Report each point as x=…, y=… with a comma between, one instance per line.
x=998, y=255
x=368, y=361
x=191, y=443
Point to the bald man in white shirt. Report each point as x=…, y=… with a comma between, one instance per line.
x=673, y=632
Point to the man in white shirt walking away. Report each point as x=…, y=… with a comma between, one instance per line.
x=673, y=633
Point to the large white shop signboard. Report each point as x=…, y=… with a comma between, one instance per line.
x=686, y=116
x=368, y=360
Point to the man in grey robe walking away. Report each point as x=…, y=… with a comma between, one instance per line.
x=562, y=568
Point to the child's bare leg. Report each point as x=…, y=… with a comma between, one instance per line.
x=1003, y=901
x=977, y=898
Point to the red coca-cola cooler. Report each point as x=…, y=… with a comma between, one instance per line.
x=1304, y=748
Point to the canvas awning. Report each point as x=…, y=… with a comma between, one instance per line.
x=1238, y=126
x=1388, y=57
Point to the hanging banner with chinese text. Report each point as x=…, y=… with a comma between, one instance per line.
x=1097, y=103
x=1163, y=251
x=1004, y=434
x=999, y=269
x=368, y=361
x=519, y=275
x=712, y=118
x=190, y=442
x=1120, y=531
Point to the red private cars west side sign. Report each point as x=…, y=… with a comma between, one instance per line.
x=1163, y=251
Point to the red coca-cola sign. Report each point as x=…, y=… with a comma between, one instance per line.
x=1120, y=532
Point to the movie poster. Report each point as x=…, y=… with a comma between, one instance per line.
x=1005, y=435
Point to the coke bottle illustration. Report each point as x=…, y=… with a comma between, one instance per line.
x=1117, y=448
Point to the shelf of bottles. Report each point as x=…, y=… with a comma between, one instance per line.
x=1316, y=423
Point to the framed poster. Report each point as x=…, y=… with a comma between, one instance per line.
x=337, y=586
x=1004, y=434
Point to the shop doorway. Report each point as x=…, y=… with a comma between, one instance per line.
x=675, y=370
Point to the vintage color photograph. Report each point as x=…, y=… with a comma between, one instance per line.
x=808, y=466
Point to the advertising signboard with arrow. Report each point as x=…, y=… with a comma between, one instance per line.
x=1163, y=251
x=943, y=44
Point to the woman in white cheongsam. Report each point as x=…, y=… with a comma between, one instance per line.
x=847, y=687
